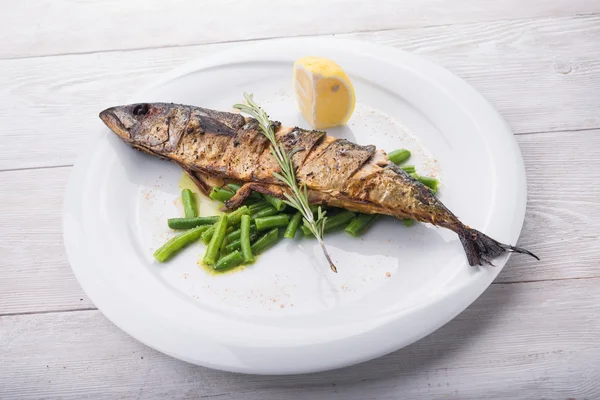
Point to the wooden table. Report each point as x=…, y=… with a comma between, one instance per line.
x=535, y=333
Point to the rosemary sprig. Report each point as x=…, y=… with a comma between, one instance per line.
x=299, y=194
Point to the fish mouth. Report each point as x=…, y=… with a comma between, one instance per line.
x=113, y=122
x=107, y=115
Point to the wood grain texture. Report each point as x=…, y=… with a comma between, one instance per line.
x=101, y=25
x=561, y=225
x=562, y=222
x=518, y=341
x=533, y=334
x=542, y=75
x=34, y=272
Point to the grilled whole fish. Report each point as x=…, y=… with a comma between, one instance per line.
x=214, y=144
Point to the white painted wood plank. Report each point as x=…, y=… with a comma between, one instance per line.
x=70, y=26
x=541, y=74
x=517, y=341
x=561, y=224
x=34, y=272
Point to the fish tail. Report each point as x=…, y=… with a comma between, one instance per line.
x=482, y=249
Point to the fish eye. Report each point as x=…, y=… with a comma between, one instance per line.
x=141, y=109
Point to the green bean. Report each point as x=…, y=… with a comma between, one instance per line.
x=409, y=169
x=431, y=183
x=173, y=246
x=234, y=186
x=221, y=194
x=338, y=220
x=408, y=221
x=292, y=227
x=188, y=223
x=274, y=221
x=233, y=220
x=236, y=216
x=237, y=244
x=210, y=257
x=265, y=241
x=229, y=261
x=252, y=197
x=248, y=201
x=223, y=249
x=208, y=234
x=399, y=156
x=255, y=196
x=189, y=203
x=265, y=212
x=237, y=233
x=360, y=223
x=258, y=206
x=333, y=223
x=275, y=202
x=245, y=239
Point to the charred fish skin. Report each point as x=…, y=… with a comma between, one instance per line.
x=335, y=171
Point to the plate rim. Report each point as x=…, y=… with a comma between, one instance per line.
x=475, y=289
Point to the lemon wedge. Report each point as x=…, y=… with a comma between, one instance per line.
x=324, y=93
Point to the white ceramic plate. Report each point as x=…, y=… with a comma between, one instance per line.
x=289, y=313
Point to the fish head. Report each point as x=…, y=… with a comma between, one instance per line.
x=149, y=126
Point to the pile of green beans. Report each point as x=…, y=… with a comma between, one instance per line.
x=232, y=238
x=237, y=237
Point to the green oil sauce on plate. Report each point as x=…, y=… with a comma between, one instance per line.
x=206, y=207
x=214, y=272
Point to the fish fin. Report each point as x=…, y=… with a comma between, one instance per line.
x=198, y=181
x=239, y=196
x=246, y=190
x=273, y=190
x=482, y=249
